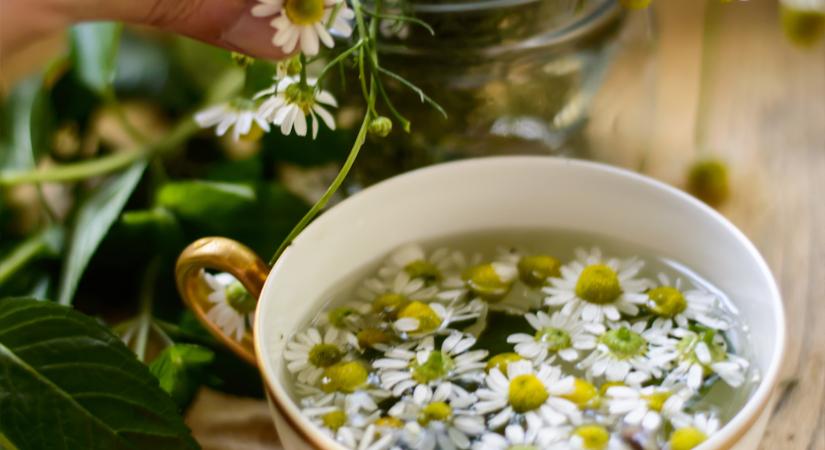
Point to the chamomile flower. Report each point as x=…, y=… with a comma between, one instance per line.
x=291, y=101
x=692, y=430
x=490, y=282
x=239, y=114
x=558, y=334
x=419, y=363
x=438, y=418
x=388, y=296
x=597, y=288
x=343, y=420
x=516, y=437
x=310, y=353
x=527, y=391
x=233, y=309
x=646, y=406
x=431, y=267
x=381, y=435
x=699, y=355
x=591, y=436
x=672, y=300
x=419, y=318
x=305, y=23
x=629, y=353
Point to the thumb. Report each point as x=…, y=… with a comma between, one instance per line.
x=225, y=23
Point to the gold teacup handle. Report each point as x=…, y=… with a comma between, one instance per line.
x=226, y=255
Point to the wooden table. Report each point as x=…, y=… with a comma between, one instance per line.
x=765, y=116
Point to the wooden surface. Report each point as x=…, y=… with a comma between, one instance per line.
x=766, y=118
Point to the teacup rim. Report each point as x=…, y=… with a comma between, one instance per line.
x=725, y=438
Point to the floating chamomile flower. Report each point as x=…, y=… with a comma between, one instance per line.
x=310, y=353
x=592, y=436
x=343, y=420
x=380, y=435
x=629, y=353
x=491, y=281
x=699, y=355
x=387, y=297
x=516, y=437
x=595, y=288
x=646, y=406
x=555, y=335
x=535, y=270
x=419, y=363
x=417, y=263
x=438, y=418
x=303, y=23
x=532, y=392
x=239, y=114
x=419, y=318
x=233, y=309
x=671, y=300
x=292, y=102
x=690, y=431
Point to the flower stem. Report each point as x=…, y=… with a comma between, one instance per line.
x=336, y=183
x=28, y=250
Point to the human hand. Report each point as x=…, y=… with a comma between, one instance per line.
x=225, y=23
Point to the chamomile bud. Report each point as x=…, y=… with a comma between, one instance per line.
x=380, y=126
x=708, y=181
x=242, y=60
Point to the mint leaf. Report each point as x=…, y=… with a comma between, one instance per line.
x=181, y=369
x=94, y=53
x=66, y=381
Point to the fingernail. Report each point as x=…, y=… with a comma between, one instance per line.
x=252, y=36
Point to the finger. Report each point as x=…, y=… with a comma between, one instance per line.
x=226, y=23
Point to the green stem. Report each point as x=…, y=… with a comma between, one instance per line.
x=339, y=58
x=223, y=87
x=336, y=183
x=304, y=64
x=145, y=317
x=26, y=251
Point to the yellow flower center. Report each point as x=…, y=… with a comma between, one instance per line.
x=501, y=361
x=803, y=27
x=254, y=135
x=527, y=393
x=325, y=355
x=301, y=96
x=686, y=438
x=535, y=270
x=338, y=316
x=389, y=421
x=624, y=343
x=344, y=377
x=484, y=281
x=708, y=181
x=334, y=420
x=369, y=337
x=599, y=284
x=239, y=299
x=428, y=320
x=656, y=400
x=554, y=339
x=425, y=270
x=435, y=411
x=388, y=304
x=666, y=301
x=583, y=393
x=636, y=4
x=304, y=12
x=594, y=437
x=437, y=366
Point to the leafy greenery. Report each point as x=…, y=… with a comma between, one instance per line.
x=181, y=369
x=71, y=378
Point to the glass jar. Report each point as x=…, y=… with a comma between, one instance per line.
x=513, y=76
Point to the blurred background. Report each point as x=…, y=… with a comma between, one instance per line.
x=655, y=91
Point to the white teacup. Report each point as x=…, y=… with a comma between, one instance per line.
x=483, y=194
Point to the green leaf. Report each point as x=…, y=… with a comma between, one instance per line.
x=68, y=382
x=204, y=199
x=94, y=53
x=181, y=369
x=258, y=215
x=94, y=216
x=15, y=129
